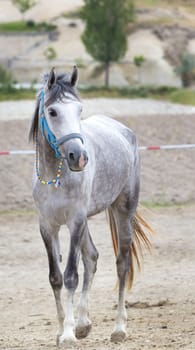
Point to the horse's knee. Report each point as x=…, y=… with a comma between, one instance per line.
x=56, y=280
x=71, y=280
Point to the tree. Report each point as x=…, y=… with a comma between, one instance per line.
x=138, y=62
x=24, y=5
x=105, y=35
x=186, y=69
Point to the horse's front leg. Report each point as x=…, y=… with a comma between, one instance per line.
x=71, y=280
x=51, y=240
x=89, y=257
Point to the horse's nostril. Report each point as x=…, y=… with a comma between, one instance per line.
x=71, y=156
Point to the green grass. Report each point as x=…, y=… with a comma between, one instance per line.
x=18, y=212
x=11, y=94
x=141, y=91
x=127, y=92
x=182, y=96
x=164, y=205
x=26, y=26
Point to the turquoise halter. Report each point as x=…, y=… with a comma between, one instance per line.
x=47, y=133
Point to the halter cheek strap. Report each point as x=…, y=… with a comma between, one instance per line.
x=47, y=133
x=50, y=137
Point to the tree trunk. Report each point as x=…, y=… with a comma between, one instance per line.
x=107, y=73
x=186, y=79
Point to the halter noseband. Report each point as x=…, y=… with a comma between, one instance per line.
x=47, y=133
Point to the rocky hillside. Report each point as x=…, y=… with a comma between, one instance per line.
x=161, y=34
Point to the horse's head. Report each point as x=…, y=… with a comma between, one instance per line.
x=59, y=112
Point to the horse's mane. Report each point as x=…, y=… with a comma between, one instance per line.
x=61, y=88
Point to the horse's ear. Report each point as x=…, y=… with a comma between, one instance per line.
x=51, y=79
x=74, y=76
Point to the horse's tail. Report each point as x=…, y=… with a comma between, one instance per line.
x=141, y=230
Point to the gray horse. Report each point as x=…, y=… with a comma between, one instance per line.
x=82, y=168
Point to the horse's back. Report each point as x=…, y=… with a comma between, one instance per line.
x=106, y=131
x=113, y=149
x=110, y=127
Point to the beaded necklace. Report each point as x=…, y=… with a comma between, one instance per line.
x=56, y=180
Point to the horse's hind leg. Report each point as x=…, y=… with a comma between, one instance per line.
x=89, y=257
x=123, y=216
x=50, y=238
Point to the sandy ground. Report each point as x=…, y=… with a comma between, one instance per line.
x=161, y=306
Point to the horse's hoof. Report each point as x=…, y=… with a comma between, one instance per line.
x=82, y=331
x=67, y=342
x=118, y=336
x=58, y=335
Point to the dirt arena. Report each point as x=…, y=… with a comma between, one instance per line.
x=161, y=305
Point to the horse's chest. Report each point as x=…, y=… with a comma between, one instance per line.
x=55, y=202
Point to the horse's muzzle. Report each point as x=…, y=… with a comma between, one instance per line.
x=77, y=158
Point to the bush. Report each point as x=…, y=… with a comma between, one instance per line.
x=5, y=77
x=30, y=23
x=128, y=92
x=50, y=53
x=23, y=26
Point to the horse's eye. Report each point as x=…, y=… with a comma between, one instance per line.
x=52, y=112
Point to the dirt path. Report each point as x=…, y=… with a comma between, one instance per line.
x=117, y=108
x=161, y=306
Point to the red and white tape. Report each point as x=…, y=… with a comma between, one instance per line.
x=141, y=148
x=16, y=152
x=156, y=148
